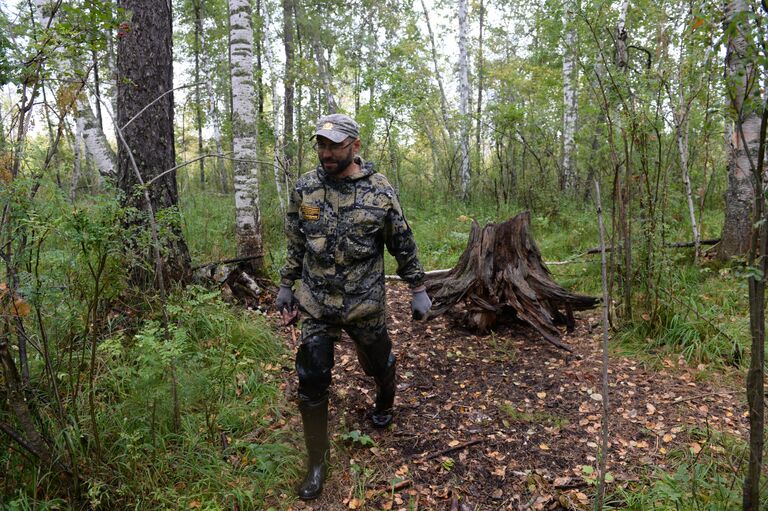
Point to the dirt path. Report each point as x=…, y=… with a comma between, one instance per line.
x=506, y=421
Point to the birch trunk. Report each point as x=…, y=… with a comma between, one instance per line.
x=742, y=91
x=480, y=73
x=78, y=159
x=570, y=84
x=681, y=112
x=443, y=100
x=212, y=112
x=289, y=149
x=322, y=66
x=245, y=135
x=96, y=143
x=95, y=140
x=270, y=59
x=464, y=98
x=373, y=59
x=198, y=102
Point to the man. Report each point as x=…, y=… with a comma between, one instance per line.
x=340, y=217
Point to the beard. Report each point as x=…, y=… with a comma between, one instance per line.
x=334, y=166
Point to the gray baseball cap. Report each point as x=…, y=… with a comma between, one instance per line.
x=337, y=127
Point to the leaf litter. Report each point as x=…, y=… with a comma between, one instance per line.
x=505, y=421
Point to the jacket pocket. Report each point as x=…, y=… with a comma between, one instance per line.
x=364, y=238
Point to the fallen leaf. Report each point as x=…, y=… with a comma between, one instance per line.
x=195, y=504
x=695, y=448
x=596, y=396
x=544, y=447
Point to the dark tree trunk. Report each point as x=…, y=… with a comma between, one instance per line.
x=501, y=272
x=144, y=74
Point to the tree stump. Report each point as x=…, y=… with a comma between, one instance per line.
x=501, y=272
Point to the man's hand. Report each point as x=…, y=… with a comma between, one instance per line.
x=420, y=304
x=285, y=298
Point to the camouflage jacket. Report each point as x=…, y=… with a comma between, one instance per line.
x=336, y=234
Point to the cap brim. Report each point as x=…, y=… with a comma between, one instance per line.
x=333, y=136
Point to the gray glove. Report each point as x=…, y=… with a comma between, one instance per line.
x=420, y=304
x=285, y=298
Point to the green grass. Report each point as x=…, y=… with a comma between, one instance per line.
x=708, y=481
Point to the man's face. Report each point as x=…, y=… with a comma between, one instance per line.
x=335, y=158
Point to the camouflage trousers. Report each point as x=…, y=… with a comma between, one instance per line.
x=314, y=358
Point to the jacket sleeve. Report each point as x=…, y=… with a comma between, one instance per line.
x=295, y=248
x=401, y=244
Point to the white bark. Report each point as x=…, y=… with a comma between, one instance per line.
x=95, y=141
x=681, y=112
x=570, y=84
x=212, y=112
x=621, y=36
x=270, y=60
x=78, y=159
x=464, y=98
x=245, y=132
x=325, y=76
x=742, y=89
x=443, y=101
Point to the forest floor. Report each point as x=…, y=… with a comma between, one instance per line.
x=508, y=421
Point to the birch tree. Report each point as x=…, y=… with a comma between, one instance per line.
x=95, y=140
x=743, y=94
x=464, y=98
x=289, y=149
x=245, y=135
x=570, y=85
x=681, y=108
x=438, y=75
x=270, y=60
x=480, y=84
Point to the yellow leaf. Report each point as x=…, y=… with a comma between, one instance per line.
x=667, y=438
x=541, y=395
x=544, y=447
x=355, y=503
x=453, y=443
x=697, y=22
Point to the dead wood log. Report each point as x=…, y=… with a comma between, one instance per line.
x=501, y=271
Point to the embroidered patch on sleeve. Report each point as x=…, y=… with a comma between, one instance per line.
x=311, y=213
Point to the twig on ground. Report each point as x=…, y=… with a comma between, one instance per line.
x=700, y=396
x=454, y=448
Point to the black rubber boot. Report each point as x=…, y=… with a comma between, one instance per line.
x=381, y=416
x=314, y=415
